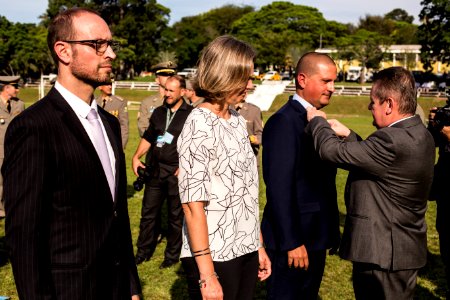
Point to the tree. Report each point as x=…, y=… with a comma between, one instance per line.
x=399, y=15
x=365, y=46
x=141, y=23
x=23, y=49
x=395, y=24
x=167, y=56
x=5, y=53
x=434, y=33
x=278, y=26
x=192, y=34
x=377, y=24
x=31, y=56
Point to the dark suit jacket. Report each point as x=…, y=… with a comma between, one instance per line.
x=68, y=239
x=301, y=204
x=386, y=193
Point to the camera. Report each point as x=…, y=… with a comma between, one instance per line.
x=442, y=114
x=144, y=175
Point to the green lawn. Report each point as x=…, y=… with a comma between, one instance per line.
x=170, y=284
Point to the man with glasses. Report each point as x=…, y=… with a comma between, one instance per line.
x=67, y=221
x=10, y=106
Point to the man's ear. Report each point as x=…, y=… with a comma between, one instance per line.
x=389, y=105
x=64, y=51
x=301, y=79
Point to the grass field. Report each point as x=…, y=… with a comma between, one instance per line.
x=169, y=283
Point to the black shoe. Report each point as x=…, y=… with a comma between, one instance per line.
x=140, y=259
x=167, y=263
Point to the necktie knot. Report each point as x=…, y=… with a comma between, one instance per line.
x=8, y=105
x=92, y=115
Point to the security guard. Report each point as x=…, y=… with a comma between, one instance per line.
x=10, y=106
x=162, y=71
x=116, y=106
x=159, y=145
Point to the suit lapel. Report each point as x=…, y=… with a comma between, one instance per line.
x=71, y=120
x=299, y=109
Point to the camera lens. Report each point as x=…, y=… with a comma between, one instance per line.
x=138, y=184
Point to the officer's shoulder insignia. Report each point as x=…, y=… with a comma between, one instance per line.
x=120, y=98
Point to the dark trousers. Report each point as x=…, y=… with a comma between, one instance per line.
x=295, y=283
x=237, y=277
x=443, y=228
x=372, y=282
x=154, y=195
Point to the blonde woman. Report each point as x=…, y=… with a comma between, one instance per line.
x=222, y=251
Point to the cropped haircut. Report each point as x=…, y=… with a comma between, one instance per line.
x=180, y=79
x=398, y=83
x=307, y=64
x=224, y=68
x=61, y=28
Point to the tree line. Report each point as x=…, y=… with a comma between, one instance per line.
x=281, y=32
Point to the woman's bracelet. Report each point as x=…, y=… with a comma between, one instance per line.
x=202, y=282
x=200, y=250
x=201, y=254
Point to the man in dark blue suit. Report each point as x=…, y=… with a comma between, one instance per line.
x=301, y=218
x=65, y=180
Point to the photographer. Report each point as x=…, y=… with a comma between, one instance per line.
x=159, y=143
x=439, y=126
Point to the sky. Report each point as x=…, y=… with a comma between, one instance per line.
x=344, y=11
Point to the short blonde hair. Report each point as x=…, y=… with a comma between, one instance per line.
x=224, y=68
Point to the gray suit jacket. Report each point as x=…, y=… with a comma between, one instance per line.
x=386, y=192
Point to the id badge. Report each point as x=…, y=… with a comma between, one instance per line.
x=160, y=141
x=168, y=138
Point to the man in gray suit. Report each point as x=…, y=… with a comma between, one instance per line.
x=387, y=188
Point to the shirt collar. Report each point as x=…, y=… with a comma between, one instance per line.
x=302, y=101
x=398, y=121
x=80, y=107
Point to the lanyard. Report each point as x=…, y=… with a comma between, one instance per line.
x=169, y=118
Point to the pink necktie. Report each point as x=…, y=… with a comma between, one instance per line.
x=102, y=150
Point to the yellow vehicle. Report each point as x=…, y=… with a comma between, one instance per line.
x=272, y=75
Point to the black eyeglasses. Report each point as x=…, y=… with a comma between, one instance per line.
x=100, y=46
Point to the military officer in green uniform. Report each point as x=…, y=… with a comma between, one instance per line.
x=117, y=106
x=10, y=106
x=253, y=116
x=190, y=95
x=162, y=71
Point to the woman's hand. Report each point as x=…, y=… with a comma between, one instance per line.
x=211, y=289
x=265, y=266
